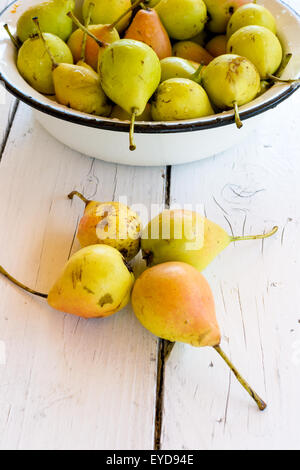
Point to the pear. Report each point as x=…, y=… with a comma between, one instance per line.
x=260, y=46
x=180, y=99
x=108, y=11
x=147, y=27
x=251, y=14
x=96, y=282
x=176, y=67
x=109, y=223
x=190, y=50
x=231, y=81
x=220, y=12
x=186, y=236
x=182, y=19
x=52, y=18
x=174, y=302
x=35, y=65
x=217, y=45
x=130, y=72
x=122, y=115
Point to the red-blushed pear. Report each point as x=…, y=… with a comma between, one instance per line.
x=109, y=223
x=147, y=27
x=186, y=236
x=190, y=50
x=174, y=302
x=217, y=45
x=220, y=12
x=96, y=282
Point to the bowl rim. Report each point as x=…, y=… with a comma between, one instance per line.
x=152, y=127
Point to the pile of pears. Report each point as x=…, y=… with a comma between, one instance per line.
x=171, y=298
x=150, y=60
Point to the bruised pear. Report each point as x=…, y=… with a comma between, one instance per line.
x=186, y=236
x=251, y=14
x=260, y=46
x=180, y=99
x=231, y=81
x=52, y=17
x=109, y=223
x=96, y=282
x=174, y=302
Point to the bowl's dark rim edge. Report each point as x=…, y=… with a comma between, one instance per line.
x=143, y=128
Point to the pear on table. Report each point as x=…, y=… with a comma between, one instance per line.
x=109, y=223
x=96, y=282
x=52, y=18
x=174, y=302
x=186, y=236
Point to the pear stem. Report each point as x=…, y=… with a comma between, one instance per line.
x=83, y=28
x=256, y=237
x=81, y=196
x=87, y=23
x=238, y=121
x=196, y=77
x=260, y=403
x=36, y=22
x=13, y=39
x=133, y=6
x=19, y=284
x=281, y=80
x=132, y=145
x=284, y=63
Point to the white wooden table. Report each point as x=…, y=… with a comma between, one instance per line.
x=68, y=383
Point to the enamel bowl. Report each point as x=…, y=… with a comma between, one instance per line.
x=158, y=143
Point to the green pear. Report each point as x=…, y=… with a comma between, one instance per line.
x=52, y=17
x=180, y=99
x=251, y=14
x=174, y=302
x=108, y=11
x=35, y=65
x=176, y=67
x=182, y=19
x=96, y=282
x=231, y=81
x=78, y=86
x=130, y=72
x=260, y=46
x=186, y=236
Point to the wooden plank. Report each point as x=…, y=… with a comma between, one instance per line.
x=67, y=383
x=247, y=189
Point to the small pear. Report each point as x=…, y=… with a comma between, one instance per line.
x=130, y=72
x=220, y=12
x=104, y=33
x=176, y=67
x=35, y=65
x=260, y=46
x=217, y=45
x=174, y=302
x=186, y=236
x=182, y=19
x=96, y=282
x=52, y=16
x=251, y=14
x=192, y=51
x=109, y=223
x=180, y=99
x=108, y=11
x=231, y=81
x=147, y=27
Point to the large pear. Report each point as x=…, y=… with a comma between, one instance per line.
x=130, y=72
x=96, y=282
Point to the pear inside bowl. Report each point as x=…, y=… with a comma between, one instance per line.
x=158, y=143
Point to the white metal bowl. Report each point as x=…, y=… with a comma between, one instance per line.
x=158, y=143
